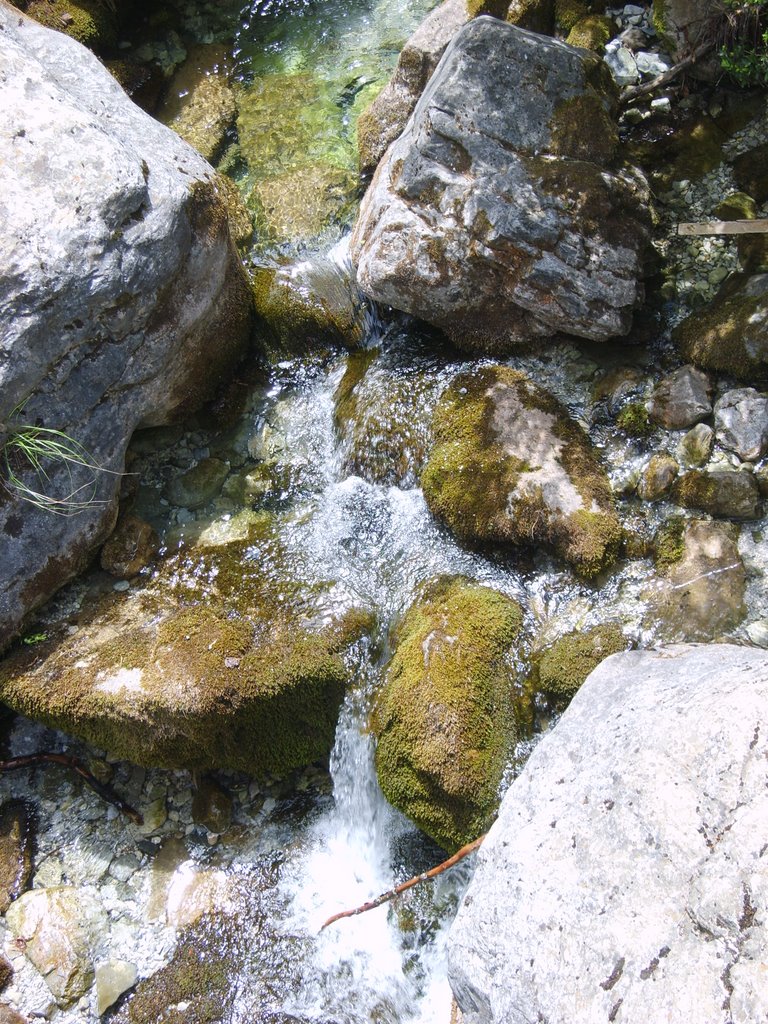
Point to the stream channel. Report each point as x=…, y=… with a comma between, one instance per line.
x=339, y=523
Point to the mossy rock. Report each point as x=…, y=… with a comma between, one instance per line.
x=668, y=543
x=750, y=170
x=535, y=15
x=509, y=465
x=752, y=249
x=633, y=419
x=446, y=718
x=730, y=334
x=725, y=493
x=311, y=302
x=212, y=665
x=592, y=32
x=91, y=22
x=584, y=130
x=564, y=666
x=568, y=13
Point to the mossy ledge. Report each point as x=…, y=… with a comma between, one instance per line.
x=449, y=712
x=483, y=482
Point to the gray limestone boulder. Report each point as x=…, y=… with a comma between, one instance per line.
x=503, y=212
x=741, y=423
x=626, y=878
x=122, y=299
x=381, y=122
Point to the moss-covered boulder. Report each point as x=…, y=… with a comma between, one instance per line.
x=509, y=465
x=699, y=594
x=211, y=665
x=730, y=334
x=752, y=249
x=310, y=302
x=724, y=493
x=592, y=32
x=445, y=720
x=565, y=665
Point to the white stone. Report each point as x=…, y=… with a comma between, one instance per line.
x=626, y=878
x=622, y=66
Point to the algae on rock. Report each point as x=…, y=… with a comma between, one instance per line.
x=448, y=716
x=509, y=465
x=563, y=667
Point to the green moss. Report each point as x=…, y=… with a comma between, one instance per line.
x=633, y=419
x=493, y=8
x=449, y=712
x=737, y=206
x=564, y=667
x=669, y=543
x=90, y=22
x=535, y=15
x=569, y=13
x=729, y=335
x=592, y=32
x=475, y=484
x=582, y=129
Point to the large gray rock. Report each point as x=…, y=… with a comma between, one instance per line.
x=381, y=123
x=741, y=422
x=122, y=299
x=626, y=877
x=501, y=212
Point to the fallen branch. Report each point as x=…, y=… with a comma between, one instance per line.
x=633, y=91
x=104, y=791
x=391, y=893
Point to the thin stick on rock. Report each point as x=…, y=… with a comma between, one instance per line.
x=104, y=791
x=391, y=893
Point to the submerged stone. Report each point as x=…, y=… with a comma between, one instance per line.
x=17, y=841
x=502, y=212
x=700, y=594
x=445, y=720
x=130, y=549
x=509, y=465
x=60, y=926
x=302, y=203
x=198, y=485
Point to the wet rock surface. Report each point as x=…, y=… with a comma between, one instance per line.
x=741, y=423
x=475, y=222
x=123, y=224
x=728, y=493
x=667, y=883
x=700, y=595
x=681, y=399
x=17, y=845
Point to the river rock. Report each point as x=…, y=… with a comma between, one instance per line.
x=212, y=807
x=198, y=485
x=681, y=399
x=126, y=273
x=130, y=549
x=696, y=447
x=564, y=666
x=657, y=477
x=17, y=841
x=728, y=493
x=10, y=1016
x=741, y=423
x=501, y=213
x=509, y=465
x=60, y=927
x=445, y=719
x=382, y=122
x=113, y=978
x=730, y=333
x=625, y=877
x=682, y=25
x=700, y=592
x=210, y=665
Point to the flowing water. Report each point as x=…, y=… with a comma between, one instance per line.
x=342, y=439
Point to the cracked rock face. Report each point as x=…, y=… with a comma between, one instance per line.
x=626, y=878
x=122, y=299
x=502, y=212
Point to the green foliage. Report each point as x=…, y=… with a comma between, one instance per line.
x=744, y=54
x=34, y=453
